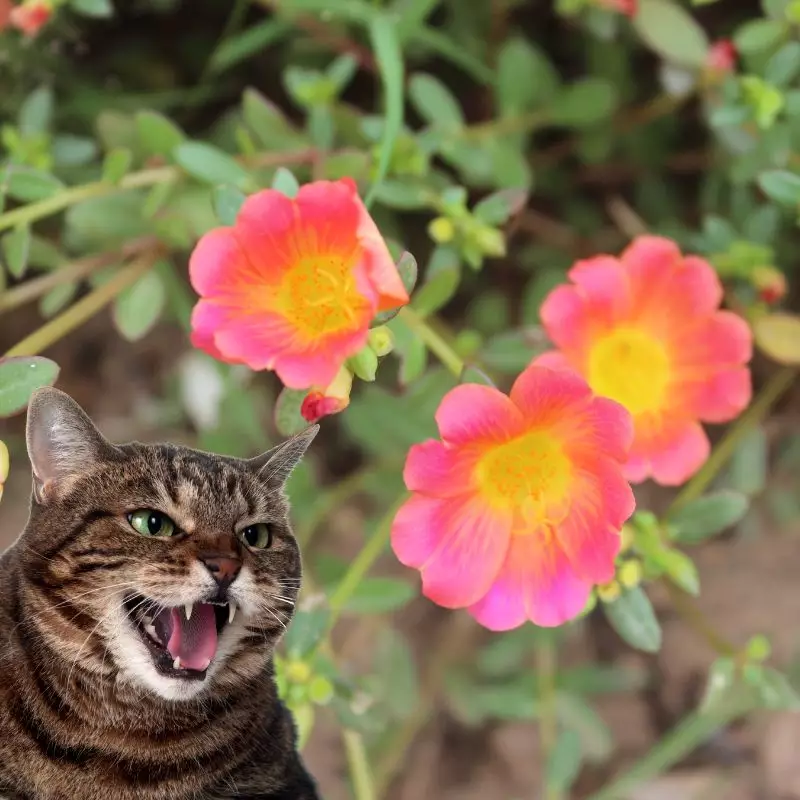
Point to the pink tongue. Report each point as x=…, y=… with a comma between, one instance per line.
x=194, y=641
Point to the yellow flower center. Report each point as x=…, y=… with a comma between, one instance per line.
x=318, y=296
x=631, y=367
x=529, y=474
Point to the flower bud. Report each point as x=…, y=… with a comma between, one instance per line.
x=490, y=241
x=630, y=573
x=381, y=341
x=770, y=283
x=320, y=403
x=364, y=364
x=441, y=230
x=721, y=57
x=320, y=690
x=298, y=671
x=626, y=535
x=609, y=592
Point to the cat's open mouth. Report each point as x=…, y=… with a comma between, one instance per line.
x=182, y=641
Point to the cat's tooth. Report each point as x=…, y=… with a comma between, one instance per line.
x=231, y=612
x=176, y=664
x=189, y=607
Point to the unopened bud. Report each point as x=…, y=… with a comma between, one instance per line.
x=630, y=573
x=298, y=671
x=626, y=536
x=609, y=592
x=490, y=241
x=364, y=364
x=441, y=230
x=320, y=690
x=770, y=283
x=381, y=341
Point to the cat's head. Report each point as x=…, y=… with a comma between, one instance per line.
x=156, y=565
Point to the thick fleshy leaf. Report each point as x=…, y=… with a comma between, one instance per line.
x=20, y=377
x=708, y=516
x=633, y=618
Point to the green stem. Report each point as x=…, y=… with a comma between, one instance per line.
x=358, y=765
x=77, y=194
x=546, y=679
x=769, y=395
x=691, y=732
x=84, y=309
x=433, y=341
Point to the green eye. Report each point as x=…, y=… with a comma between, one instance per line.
x=151, y=523
x=258, y=536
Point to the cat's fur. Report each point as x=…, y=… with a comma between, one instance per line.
x=84, y=713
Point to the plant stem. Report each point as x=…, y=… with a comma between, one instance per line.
x=74, y=271
x=76, y=194
x=363, y=785
x=769, y=395
x=83, y=310
x=546, y=666
x=692, y=731
x=433, y=341
x=695, y=619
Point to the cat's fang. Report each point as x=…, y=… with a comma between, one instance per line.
x=176, y=664
x=188, y=608
x=231, y=612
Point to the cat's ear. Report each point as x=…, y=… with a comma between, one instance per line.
x=277, y=464
x=62, y=440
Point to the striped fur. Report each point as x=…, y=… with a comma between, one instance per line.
x=83, y=713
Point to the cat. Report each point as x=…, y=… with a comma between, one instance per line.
x=139, y=610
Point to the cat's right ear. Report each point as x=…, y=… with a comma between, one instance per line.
x=62, y=440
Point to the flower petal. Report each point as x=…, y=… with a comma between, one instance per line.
x=681, y=455
x=722, y=339
x=566, y=319
x=552, y=359
x=605, y=285
x=207, y=318
x=720, y=397
x=436, y=470
x=218, y=265
x=536, y=582
x=458, y=544
x=472, y=412
x=543, y=395
x=266, y=226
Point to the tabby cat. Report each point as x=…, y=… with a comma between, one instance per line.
x=139, y=610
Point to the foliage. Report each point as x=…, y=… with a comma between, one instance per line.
x=498, y=157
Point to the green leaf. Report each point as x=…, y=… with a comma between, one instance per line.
x=749, y=465
x=138, y=308
x=774, y=690
x=565, y=762
x=157, y=134
x=680, y=569
x=209, y=164
x=707, y=516
x=100, y=9
x=254, y=40
x=573, y=712
x=434, y=102
x=116, y=165
x=721, y=679
x=306, y=631
x=20, y=377
x=379, y=595
x=584, y=103
x=784, y=66
x=73, y=151
x=56, y=299
x=402, y=195
x=498, y=208
x=633, y=618
x=288, y=419
x=471, y=374
x=672, y=32
x=395, y=671
x=758, y=35
x=412, y=15
x=390, y=64
x=285, y=182
x=16, y=249
x=437, y=291
x=512, y=351
x=227, y=202
x=36, y=112
x=268, y=123
x=30, y=185
x=520, y=57
x=781, y=186
x=778, y=336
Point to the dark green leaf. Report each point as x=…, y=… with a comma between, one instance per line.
x=633, y=618
x=402, y=195
x=209, y=164
x=20, y=377
x=708, y=516
x=437, y=291
x=721, y=679
x=757, y=35
x=520, y=57
x=16, y=249
x=73, y=151
x=30, y=185
x=784, y=66
x=100, y=9
x=306, y=631
x=138, y=308
x=574, y=713
x=749, y=465
x=434, y=102
x=379, y=595
x=116, y=165
x=780, y=185
x=285, y=182
x=227, y=202
x=396, y=673
x=774, y=689
x=268, y=123
x=288, y=419
x=390, y=64
x=498, y=208
x=565, y=762
x=250, y=42
x=511, y=352
x=672, y=32
x=680, y=569
x=56, y=299
x=36, y=112
x=158, y=135
x=584, y=103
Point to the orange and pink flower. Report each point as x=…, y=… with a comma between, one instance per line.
x=293, y=285
x=516, y=512
x=645, y=329
x=31, y=16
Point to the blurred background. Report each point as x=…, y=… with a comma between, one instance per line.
x=585, y=122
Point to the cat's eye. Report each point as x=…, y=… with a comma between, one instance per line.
x=151, y=523
x=258, y=536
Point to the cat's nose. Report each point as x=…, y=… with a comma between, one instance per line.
x=223, y=570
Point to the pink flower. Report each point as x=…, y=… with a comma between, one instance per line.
x=31, y=16
x=5, y=13
x=320, y=403
x=294, y=284
x=722, y=56
x=645, y=329
x=516, y=513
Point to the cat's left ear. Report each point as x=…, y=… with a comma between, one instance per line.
x=276, y=465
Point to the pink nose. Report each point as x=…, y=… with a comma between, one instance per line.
x=223, y=570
